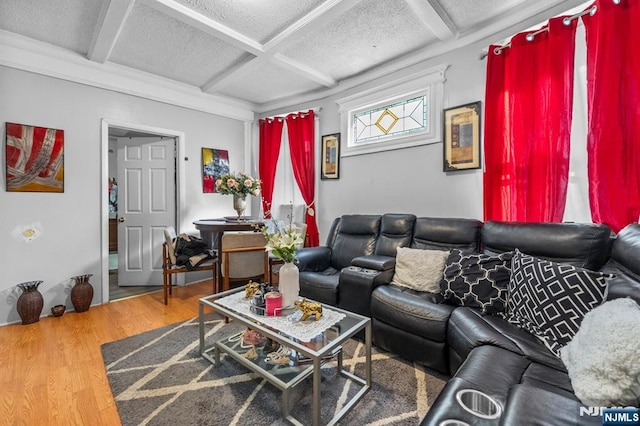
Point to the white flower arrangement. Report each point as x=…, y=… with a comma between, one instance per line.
x=283, y=240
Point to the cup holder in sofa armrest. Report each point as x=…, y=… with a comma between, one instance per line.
x=453, y=422
x=376, y=262
x=478, y=403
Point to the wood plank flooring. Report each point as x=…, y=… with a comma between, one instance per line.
x=116, y=292
x=52, y=372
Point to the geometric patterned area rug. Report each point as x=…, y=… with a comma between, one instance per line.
x=159, y=378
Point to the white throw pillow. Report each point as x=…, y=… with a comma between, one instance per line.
x=419, y=269
x=603, y=359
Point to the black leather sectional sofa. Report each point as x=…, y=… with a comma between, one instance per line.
x=479, y=352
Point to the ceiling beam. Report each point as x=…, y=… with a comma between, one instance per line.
x=435, y=18
x=221, y=79
x=318, y=17
x=304, y=70
x=206, y=25
x=313, y=20
x=110, y=23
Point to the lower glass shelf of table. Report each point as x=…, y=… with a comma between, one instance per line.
x=271, y=349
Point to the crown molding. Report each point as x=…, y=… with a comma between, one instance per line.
x=42, y=58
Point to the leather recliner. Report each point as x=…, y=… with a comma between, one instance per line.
x=367, y=272
x=350, y=236
x=410, y=323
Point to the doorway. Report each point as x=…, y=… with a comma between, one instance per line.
x=141, y=179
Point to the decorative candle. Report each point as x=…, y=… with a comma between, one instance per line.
x=273, y=300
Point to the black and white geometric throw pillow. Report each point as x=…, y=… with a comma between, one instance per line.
x=477, y=280
x=550, y=299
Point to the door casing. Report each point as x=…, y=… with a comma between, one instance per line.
x=104, y=196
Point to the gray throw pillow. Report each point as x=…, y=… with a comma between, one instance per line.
x=419, y=269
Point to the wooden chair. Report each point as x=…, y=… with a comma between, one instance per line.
x=243, y=257
x=169, y=267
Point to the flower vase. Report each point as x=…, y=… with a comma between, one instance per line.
x=30, y=302
x=239, y=203
x=289, y=284
x=82, y=293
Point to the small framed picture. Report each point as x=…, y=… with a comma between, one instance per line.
x=461, y=137
x=215, y=163
x=330, y=156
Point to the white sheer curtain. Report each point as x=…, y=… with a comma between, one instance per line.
x=577, y=205
x=286, y=191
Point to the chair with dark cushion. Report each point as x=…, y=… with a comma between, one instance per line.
x=350, y=236
x=170, y=265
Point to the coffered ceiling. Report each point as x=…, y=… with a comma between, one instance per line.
x=263, y=53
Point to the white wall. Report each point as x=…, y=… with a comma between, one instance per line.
x=409, y=180
x=71, y=222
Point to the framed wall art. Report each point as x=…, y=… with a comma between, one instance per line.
x=34, y=158
x=462, y=137
x=215, y=163
x=330, y=156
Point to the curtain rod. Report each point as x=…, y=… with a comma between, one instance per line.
x=315, y=110
x=567, y=20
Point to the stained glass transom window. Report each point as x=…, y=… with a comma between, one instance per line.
x=400, y=113
x=390, y=120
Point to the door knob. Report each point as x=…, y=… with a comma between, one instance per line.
x=121, y=219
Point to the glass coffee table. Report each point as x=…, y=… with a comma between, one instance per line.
x=309, y=344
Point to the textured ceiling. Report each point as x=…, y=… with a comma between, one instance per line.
x=373, y=32
x=267, y=53
x=65, y=23
x=259, y=20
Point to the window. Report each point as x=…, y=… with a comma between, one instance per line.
x=395, y=115
x=391, y=120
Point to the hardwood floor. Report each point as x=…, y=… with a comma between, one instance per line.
x=52, y=373
x=116, y=292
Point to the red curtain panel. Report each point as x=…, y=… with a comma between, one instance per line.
x=613, y=138
x=301, y=132
x=528, y=111
x=270, y=138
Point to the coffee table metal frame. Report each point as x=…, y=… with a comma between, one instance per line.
x=332, y=348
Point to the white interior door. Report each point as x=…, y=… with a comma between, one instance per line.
x=147, y=204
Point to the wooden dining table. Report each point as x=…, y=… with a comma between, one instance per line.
x=211, y=231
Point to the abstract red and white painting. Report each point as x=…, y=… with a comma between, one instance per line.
x=35, y=159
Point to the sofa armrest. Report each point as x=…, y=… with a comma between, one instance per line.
x=313, y=259
x=356, y=285
x=375, y=262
